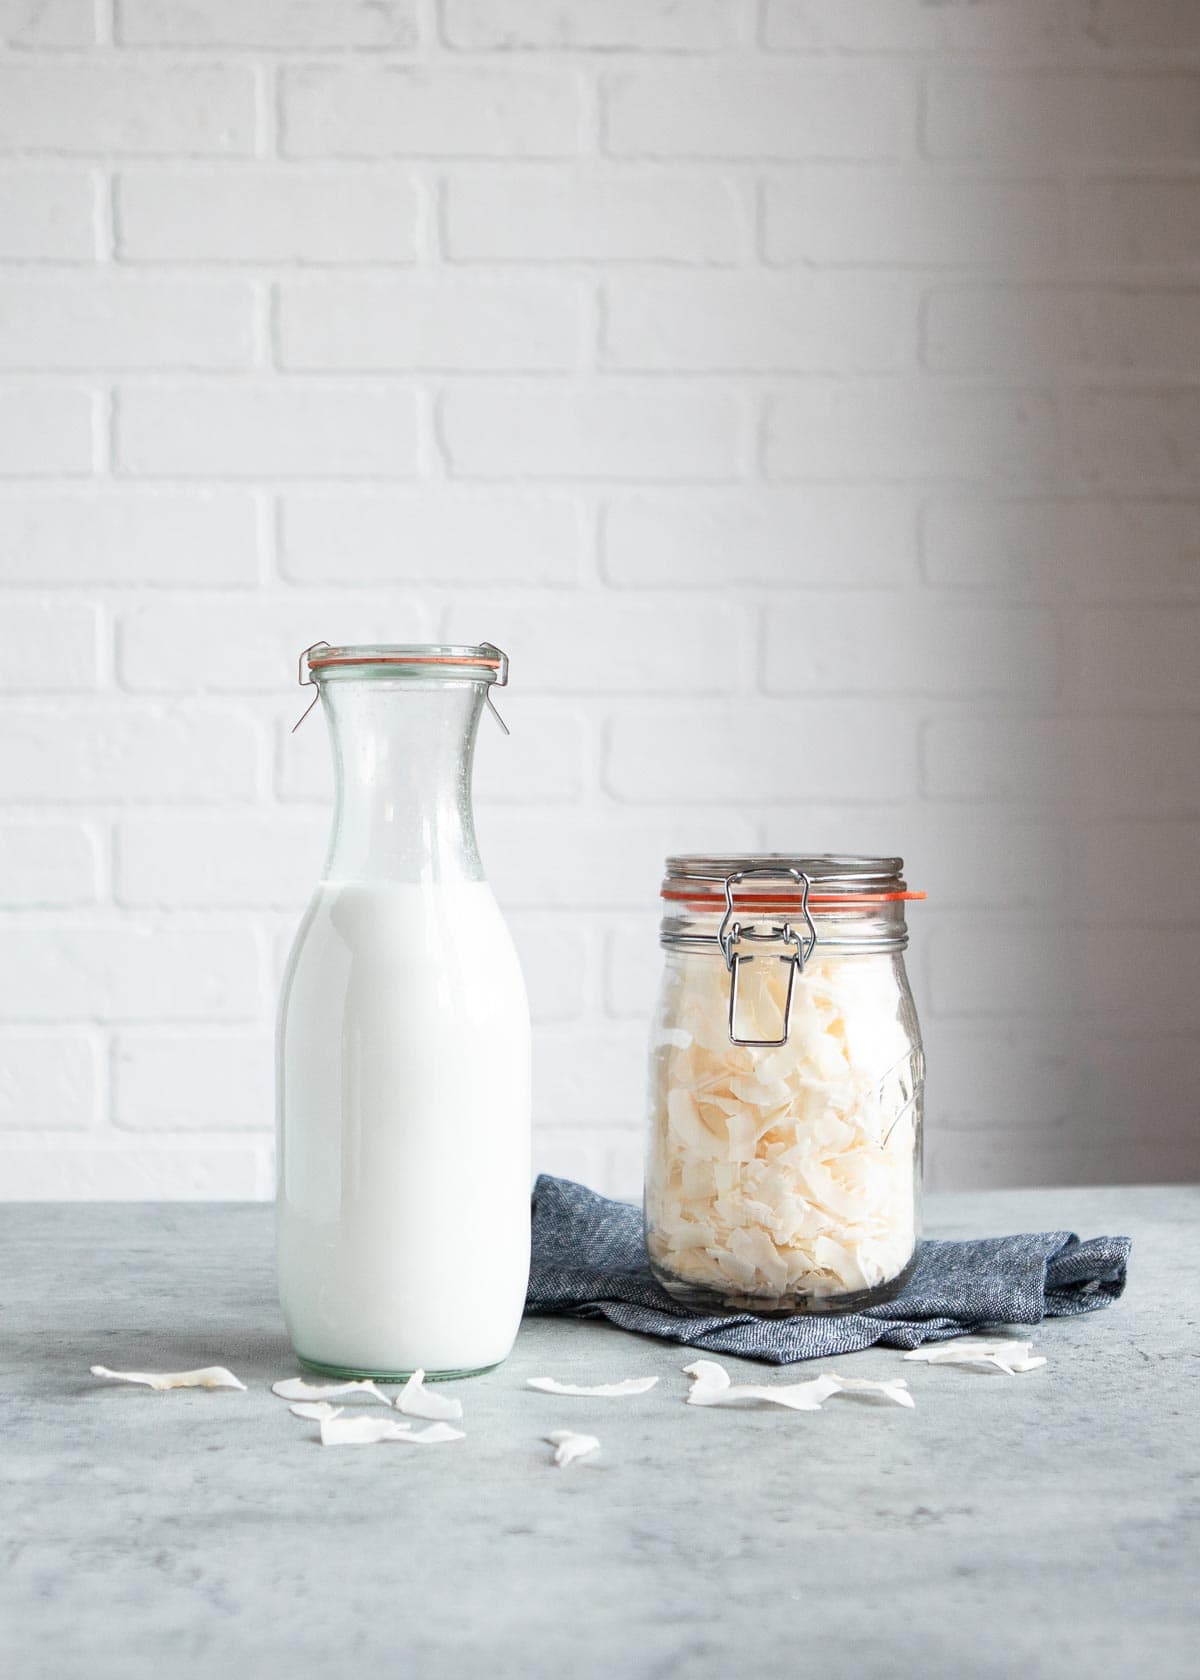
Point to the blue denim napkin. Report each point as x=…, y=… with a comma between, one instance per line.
x=589, y=1261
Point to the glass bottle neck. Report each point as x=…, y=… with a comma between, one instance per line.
x=403, y=752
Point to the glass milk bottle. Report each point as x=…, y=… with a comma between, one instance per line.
x=403, y=1042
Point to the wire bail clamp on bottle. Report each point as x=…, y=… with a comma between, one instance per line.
x=501, y=681
x=732, y=933
x=308, y=681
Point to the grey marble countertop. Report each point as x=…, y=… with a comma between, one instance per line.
x=1039, y=1526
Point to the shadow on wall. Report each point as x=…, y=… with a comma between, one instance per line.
x=1061, y=1013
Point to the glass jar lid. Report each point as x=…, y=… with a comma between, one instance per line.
x=789, y=903
x=783, y=880
x=482, y=663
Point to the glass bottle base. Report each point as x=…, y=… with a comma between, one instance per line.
x=355, y=1373
x=704, y=1299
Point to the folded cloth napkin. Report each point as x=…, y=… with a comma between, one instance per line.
x=589, y=1261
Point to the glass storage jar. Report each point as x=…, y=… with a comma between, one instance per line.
x=784, y=1160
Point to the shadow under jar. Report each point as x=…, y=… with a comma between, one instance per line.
x=786, y=1080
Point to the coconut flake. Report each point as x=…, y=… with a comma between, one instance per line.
x=711, y=1386
x=295, y=1388
x=368, y=1431
x=433, y=1433
x=891, y=1388
x=415, y=1400
x=568, y=1446
x=210, y=1376
x=361, y=1431
x=783, y=1175
x=596, y=1391
x=708, y=1373
x=1011, y=1357
x=315, y=1410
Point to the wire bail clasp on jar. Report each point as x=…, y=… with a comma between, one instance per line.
x=801, y=945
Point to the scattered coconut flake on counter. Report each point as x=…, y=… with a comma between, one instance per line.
x=891, y=1388
x=434, y=1432
x=1006, y=1355
x=210, y=1376
x=316, y=1410
x=295, y=1388
x=361, y=1431
x=785, y=1174
x=415, y=1400
x=568, y=1446
x=593, y=1391
x=367, y=1431
x=711, y=1386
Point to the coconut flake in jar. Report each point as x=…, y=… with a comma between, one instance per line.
x=783, y=1178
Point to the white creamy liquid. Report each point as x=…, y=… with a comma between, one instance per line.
x=403, y=1212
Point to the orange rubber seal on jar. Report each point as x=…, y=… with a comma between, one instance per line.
x=816, y=901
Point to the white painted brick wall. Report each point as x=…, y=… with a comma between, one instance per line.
x=805, y=393
x=266, y=215
x=102, y=105
x=111, y=537
x=593, y=430
x=478, y=537
x=459, y=324
x=835, y=643
x=785, y=323
x=266, y=23
x=434, y=110
x=898, y=216
x=756, y=112
x=56, y=1076
x=55, y=648
x=47, y=23
x=845, y=536
x=588, y=212
x=1136, y=438
x=600, y=24
x=48, y=865
x=92, y=752
x=129, y=973
x=909, y=429
x=265, y=430
x=206, y=325
x=47, y=215
x=46, y=431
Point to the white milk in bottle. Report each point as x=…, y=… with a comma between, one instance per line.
x=403, y=1053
